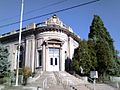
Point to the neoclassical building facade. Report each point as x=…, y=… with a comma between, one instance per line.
x=44, y=46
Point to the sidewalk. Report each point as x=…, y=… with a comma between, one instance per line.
x=58, y=87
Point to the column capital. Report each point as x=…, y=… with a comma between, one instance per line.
x=47, y=47
x=61, y=48
x=45, y=43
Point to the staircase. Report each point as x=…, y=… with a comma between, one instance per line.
x=60, y=80
x=49, y=76
x=68, y=79
x=64, y=81
x=69, y=82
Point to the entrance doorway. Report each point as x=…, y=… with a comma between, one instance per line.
x=54, y=59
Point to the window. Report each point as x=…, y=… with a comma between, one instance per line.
x=55, y=61
x=21, y=61
x=51, y=61
x=40, y=57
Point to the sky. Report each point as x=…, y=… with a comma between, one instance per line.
x=79, y=19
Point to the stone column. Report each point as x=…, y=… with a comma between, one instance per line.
x=60, y=63
x=43, y=55
x=15, y=61
x=37, y=59
x=26, y=54
x=69, y=47
x=46, y=58
x=33, y=55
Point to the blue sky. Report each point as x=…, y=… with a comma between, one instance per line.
x=78, y=18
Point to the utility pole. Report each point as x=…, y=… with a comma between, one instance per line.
x=19, y=44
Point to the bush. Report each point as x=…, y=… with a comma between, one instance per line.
x=2, y=80
x=27, y=72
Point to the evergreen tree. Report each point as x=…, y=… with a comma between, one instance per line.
x=115, y=70
x=99, y=33
x=81, y=58
x=104, y=60
x=92, y=53
x=4, y=63
x=104, y=47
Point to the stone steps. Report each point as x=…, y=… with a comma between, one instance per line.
x=57, y=87
x=58, y=81
x=56, y=78
x=67, y=78
x=62, y=81
x=39, y=82
x=70, y=82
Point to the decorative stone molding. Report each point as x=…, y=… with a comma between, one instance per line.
x=54, y=20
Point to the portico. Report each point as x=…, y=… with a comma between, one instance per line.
x=52, y=55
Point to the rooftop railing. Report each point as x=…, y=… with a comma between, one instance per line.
x=31, y=26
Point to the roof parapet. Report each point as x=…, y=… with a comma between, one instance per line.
x=54, y=20
x=31, y=26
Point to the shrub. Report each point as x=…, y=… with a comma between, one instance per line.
x=27, y=72
x=2, y=80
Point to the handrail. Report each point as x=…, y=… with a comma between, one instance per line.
x=67, y=85
x=90, y=79
x=45, y=83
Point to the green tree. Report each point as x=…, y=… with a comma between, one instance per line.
x=115, y=70
x=92, y=53
x=81, y=58
x=98, y=32
x=76, y=60
x=4, y=63
x=104, y=60
x=103, y=45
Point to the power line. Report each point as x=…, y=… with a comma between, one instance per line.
x=35, y=10
x=83, y=4
x=56, y=3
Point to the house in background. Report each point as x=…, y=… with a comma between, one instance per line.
x=44, y=46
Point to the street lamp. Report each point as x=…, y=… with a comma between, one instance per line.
x=19, y=44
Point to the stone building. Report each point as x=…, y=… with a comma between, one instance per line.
x=44, y=46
